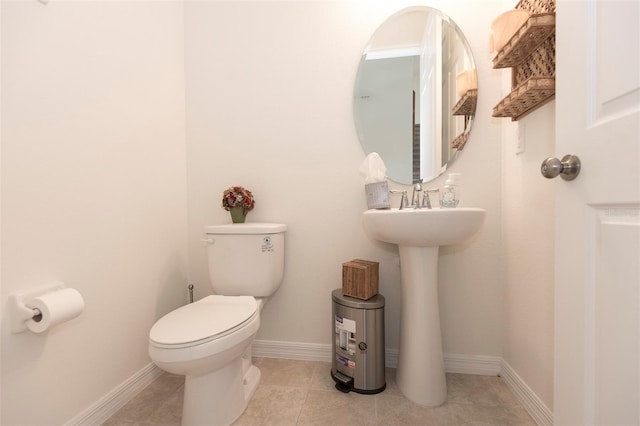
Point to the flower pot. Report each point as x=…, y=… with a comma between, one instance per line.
x=238, y=214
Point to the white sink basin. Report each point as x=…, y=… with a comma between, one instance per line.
x=423, y=227
x=419, y=235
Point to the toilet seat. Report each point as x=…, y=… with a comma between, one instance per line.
x=206, y=320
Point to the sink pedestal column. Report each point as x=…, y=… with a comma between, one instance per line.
x=420, y=374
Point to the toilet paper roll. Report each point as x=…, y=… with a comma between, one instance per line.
x=56, y=307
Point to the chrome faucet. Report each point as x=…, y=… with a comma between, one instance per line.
x=404, y=202
x=426, y=201
x=415, y=197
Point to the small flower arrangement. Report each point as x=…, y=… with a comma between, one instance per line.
x=237, y=196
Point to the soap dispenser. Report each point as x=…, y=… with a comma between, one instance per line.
x=450, y=194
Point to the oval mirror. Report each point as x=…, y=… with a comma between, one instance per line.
x=415, y=94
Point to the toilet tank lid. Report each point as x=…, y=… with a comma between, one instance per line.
x=246, y=228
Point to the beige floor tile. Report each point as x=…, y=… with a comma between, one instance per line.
x=274, y=405
x=303, y=393
x=397, y=410
x=471, y=414
x=170, y=412
x=481, y=390
x=142, y=407
x=321, y=379
x=392, y=387
x=285, y=372
x=332, y=407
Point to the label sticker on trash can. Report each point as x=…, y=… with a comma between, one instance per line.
x=345, y=361
x=345, y=334
x=346, y=324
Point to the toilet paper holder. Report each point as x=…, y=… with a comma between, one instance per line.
x=20, y=311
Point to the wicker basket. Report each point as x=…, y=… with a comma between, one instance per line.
x=531, y=53
x=537, y=6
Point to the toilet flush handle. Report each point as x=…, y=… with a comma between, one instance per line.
x=208, y=240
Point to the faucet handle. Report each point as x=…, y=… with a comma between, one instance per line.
x=426, y=201
x=404, y=200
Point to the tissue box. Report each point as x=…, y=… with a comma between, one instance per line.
x=377, y=195
x=360, y=279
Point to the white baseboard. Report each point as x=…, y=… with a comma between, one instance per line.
x=291, y=350
x=453, y=363
x=531, y=402
x=472, y=364
x=109, y=404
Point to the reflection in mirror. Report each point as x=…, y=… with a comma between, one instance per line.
x=415, y=94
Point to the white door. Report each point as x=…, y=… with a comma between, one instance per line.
x=597, y=297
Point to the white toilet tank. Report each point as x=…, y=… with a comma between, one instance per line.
x=246, y=259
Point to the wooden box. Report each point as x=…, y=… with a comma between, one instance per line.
x=360, y=279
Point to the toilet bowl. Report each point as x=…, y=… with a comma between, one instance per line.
x=209, y=341
x=205, y=341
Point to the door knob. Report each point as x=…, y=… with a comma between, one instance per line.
x=568, y=168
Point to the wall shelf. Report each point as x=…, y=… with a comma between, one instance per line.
x=532, y=34
x=530, y=94
x=460, y=141
x=531, y=53
x=467, y=104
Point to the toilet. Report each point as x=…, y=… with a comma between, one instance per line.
x=209, y=341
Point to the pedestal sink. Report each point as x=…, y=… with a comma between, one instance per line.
x=419, y=233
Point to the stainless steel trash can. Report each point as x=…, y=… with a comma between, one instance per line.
x=358, y=343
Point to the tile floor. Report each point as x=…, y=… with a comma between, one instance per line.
x=302, y=393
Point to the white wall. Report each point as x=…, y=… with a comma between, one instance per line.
x=528, y=230
x=529, y=246
x=269, y=106
x=93, y=192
